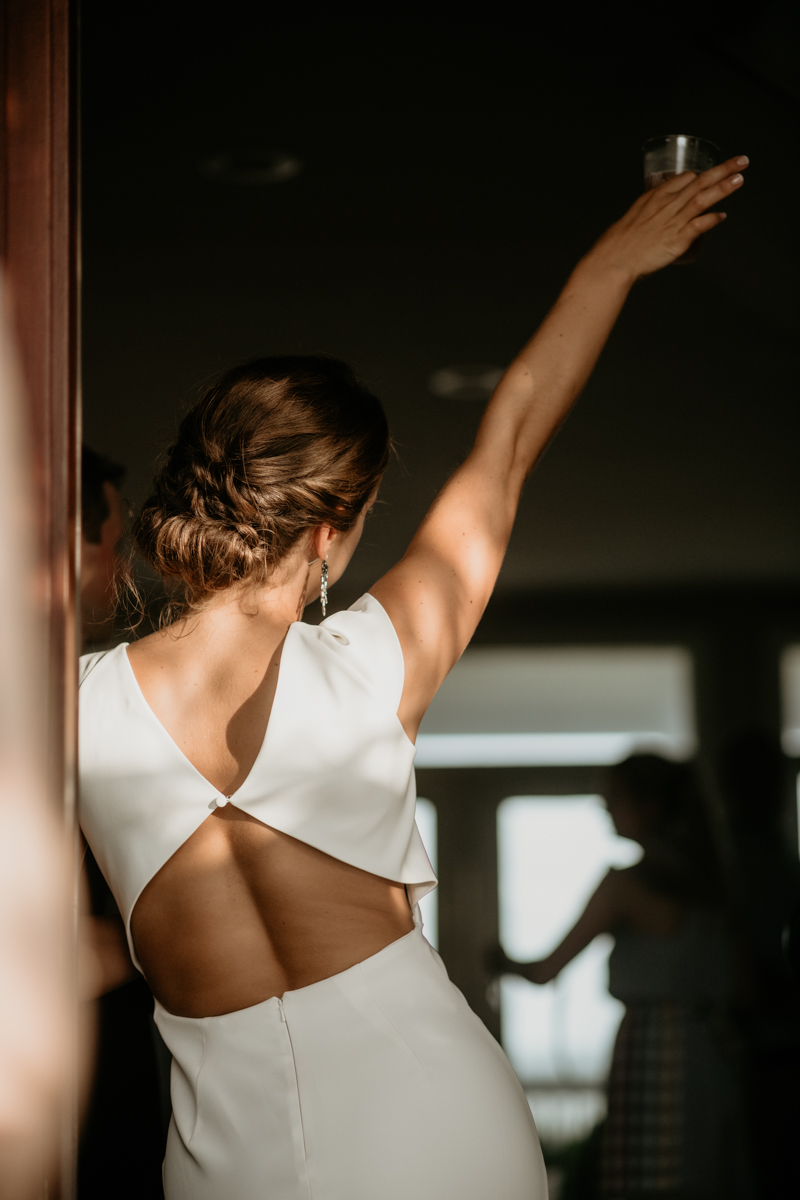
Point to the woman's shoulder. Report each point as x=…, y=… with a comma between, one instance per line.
x=638, y=882
x=623, y=888
x=624, y=879
x=643, y=908
x=95, y=664
x=364, y=637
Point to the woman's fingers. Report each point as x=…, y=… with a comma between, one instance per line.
x=717, y=183
x=723, y=179
x=676, y=184
x=704, y=223
x=731, y=166
x=711, y=193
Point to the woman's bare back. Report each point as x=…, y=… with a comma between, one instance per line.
x=242, y=912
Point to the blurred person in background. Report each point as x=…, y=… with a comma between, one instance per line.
x=124, y=1130
x=102, y=529
x=752, y=777
x=675, y=1123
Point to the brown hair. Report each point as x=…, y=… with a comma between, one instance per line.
x=681, y=858
x=275, y=447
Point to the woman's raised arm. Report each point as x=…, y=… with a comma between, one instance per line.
x=436, y=594
x=604, y=910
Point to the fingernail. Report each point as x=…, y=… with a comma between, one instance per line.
x=722, y=216
x=743, y=161
x=735, y=180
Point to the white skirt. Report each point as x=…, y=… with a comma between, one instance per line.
x=379, y=1083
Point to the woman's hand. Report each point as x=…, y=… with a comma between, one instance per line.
x=662, y=224
x=497, y=962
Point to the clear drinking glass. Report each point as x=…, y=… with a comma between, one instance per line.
x=670, y=155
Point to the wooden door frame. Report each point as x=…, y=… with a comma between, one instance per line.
x=39, y=243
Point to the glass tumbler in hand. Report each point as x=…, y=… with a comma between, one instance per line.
x=670, y=155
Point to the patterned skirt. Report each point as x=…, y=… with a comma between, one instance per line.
x=675, y=1124
x=643, y=1142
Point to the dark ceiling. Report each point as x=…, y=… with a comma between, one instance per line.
x=454, y=169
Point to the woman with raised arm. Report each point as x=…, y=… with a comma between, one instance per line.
x=247, y=781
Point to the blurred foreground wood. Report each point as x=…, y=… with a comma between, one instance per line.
x=39, y=1030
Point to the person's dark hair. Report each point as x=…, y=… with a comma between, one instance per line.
x=274, y=448
x=681, y=859
x=96, y=469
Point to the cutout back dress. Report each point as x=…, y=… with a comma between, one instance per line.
x=378, y=1083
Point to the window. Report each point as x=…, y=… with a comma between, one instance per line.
x=428, y=906
x=790, y=689
x=790, y=695
x=528, y=706
x=553, y=851
x=556, y=707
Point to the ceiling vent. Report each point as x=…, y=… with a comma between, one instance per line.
x=253, y=167
x=471, y=381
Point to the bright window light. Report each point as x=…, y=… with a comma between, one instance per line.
x=429, y=905
x=530, y=706
x=565, y=1115
x=536, y=749
x=553, y=851
x=790, y=689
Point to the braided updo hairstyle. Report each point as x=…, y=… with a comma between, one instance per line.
x=276, y=447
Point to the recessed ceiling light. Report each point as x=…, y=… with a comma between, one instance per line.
x=470, y=381
x=254, y=167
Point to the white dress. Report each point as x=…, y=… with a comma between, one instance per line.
x=378, y=1083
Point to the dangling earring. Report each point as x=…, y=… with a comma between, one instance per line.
x=323, y=587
